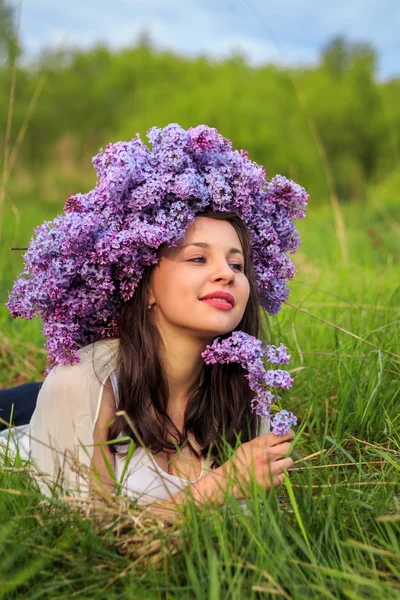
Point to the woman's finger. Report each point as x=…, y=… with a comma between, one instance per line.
x=272, y=439
x=278, y=480
x=283, y=463
x=278, y=439
x=280, y=450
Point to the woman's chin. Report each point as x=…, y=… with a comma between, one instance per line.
x=212, y=330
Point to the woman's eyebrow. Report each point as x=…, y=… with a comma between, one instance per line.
x=205, y=245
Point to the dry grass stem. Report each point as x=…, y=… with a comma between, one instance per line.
x=375, y=446
x=24, y=126
x=310, y=456
x=348, y=464
x=354, y=335
x=137, y=531
x=372, y=549
x=388, y=518
x=349, y=304
x=345, y=484
x=344, y=575
x=275, y=588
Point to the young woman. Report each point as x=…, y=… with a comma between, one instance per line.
x=174, y=272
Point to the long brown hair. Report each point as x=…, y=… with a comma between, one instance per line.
x=220, y=406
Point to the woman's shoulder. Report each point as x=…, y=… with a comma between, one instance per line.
x=95, y=360
x=99, y=353
x=102, y=348
x=76, y=388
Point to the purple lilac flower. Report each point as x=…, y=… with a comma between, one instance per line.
x=81, y=267
x=277, y=356
x=247, y=350
x=282, y=421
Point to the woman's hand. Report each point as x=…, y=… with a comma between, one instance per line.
x=264, y=458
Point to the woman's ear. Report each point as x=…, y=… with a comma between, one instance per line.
x=150, y=295
x=150, y=282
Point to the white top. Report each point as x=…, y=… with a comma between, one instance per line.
x=144, y=478
x=62, y=426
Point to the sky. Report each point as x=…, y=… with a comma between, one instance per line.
x=281, y=31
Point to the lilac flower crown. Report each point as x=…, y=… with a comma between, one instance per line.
x=81, y=267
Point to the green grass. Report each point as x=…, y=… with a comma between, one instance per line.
x=332, y=530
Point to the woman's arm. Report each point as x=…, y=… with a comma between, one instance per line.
x=265, y=458
x=102, y=452
x=210, y=488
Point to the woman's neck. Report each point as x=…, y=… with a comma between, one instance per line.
x=183, y=364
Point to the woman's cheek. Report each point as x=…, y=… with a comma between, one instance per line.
x=246, y=290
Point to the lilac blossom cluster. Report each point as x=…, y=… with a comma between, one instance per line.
x=247, y=350
x=80, y=267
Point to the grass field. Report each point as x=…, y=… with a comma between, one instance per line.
x=331, y=531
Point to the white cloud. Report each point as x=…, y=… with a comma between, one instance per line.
x=282, y=30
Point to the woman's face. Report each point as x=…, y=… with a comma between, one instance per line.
x=208, y=260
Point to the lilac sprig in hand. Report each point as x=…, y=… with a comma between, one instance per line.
x=249, y=351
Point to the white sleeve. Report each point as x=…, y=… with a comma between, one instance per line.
x=265, y=426
x=62, y=426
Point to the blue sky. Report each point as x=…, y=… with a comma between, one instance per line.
x=285, y=31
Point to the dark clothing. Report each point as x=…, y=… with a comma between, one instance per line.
x=23, y=397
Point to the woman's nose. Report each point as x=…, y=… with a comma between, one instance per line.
x=223, y=272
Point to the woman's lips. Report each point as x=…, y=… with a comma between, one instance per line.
x=218, y=303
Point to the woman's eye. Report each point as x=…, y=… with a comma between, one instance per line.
x=237, y=266
x=196, y=258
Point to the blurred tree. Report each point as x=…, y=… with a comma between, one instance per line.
x=98, y=95
x=341, y=55
x=335, y=56
x=345, y=105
